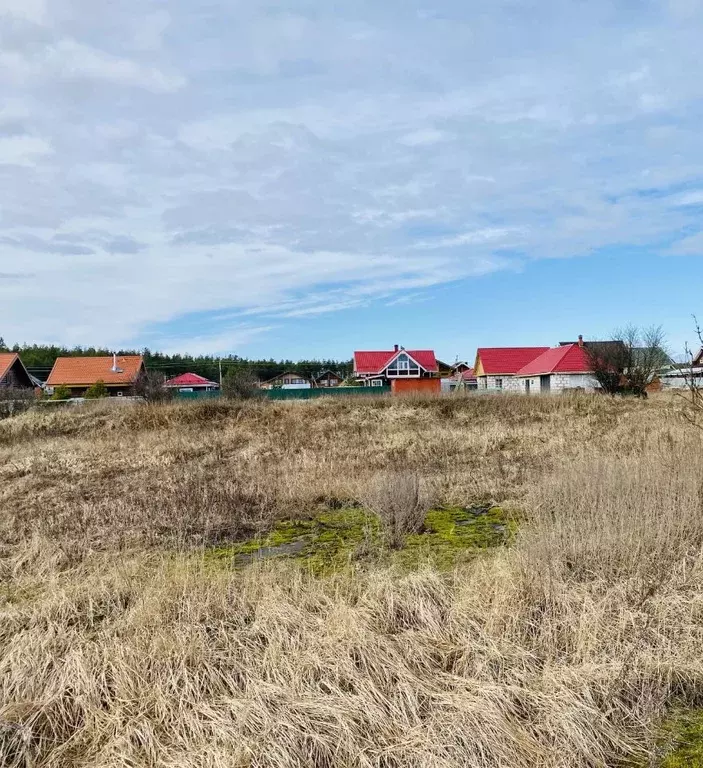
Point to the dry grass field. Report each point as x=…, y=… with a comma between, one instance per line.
x=124, y=641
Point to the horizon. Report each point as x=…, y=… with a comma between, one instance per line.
x=304, y=180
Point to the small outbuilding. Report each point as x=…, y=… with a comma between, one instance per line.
x=191, y=382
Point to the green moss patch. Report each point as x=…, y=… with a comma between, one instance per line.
x=334, y=539
x=682, y=741
x=455, y=535
x=326, y=542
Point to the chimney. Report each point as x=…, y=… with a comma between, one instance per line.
x=580, y=340
x=115, y=368
x=395, y=347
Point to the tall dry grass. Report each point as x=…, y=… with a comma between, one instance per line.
x=132, y=649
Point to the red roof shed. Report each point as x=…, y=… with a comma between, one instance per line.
x=190, y=380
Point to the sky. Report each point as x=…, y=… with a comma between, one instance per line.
x=305, y=178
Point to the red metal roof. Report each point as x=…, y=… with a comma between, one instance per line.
x=571, y=358
x=190, y=380
x=506, y=360
x=376, y=362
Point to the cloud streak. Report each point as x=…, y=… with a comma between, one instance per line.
x=288, y=162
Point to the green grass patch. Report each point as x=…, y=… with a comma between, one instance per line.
x=682, y=741
x=333, y=540
x=455, y=535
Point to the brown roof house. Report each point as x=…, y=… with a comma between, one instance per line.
x=118, y=373
x=13, y=374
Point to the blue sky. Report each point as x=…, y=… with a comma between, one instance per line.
x=304, y=178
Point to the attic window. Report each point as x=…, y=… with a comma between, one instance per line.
x=403, y=365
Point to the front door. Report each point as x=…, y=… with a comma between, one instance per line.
x=545, y=383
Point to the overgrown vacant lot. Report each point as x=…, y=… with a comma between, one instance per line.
x=128, y=637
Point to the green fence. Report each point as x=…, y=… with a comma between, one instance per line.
x=310, y=394
x=297, y=394
x=198, y=395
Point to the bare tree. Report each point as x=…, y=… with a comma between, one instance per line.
x=150, y=386
x=693, y=379
x=630, y=362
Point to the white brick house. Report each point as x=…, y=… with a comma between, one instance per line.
x=496, y=367
x=556, y=370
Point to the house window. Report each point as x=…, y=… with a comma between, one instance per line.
x=403, y=366
x=499, y=383
x=376, y=382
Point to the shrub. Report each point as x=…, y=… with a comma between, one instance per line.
x=14, y=400
x=401, y=502
x=240, y=385
x=61, y=393
x=96, y=391
x=150, y=386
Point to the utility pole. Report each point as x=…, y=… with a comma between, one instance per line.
x=220, y=362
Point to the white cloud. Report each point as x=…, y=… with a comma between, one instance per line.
x=149, y=30
x=210, y=344
x=30, y=10
x=22, y=150
x=304, y=158
x=695, y=197
x=475, y=237
x=688, y=246
x=422, y=137
x=69, y=59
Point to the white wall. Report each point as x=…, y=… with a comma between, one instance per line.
x=679, y=382
x=561, y=381
x=510, y=384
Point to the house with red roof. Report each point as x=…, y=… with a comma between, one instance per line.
x=561, y=368
x=191, y=382
x=382, y=367
x=496, y=368
x=118, y=373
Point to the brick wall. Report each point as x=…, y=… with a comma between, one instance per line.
x=562, y=381
x=510, y=384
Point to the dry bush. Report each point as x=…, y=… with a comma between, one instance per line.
x=401, y=501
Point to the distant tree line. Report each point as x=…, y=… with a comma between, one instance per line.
x=40, y=358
